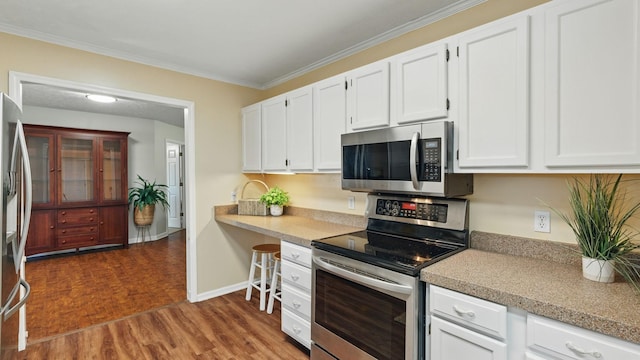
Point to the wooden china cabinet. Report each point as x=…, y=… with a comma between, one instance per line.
x=79, y=188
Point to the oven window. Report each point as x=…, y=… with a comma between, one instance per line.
x=372, y=321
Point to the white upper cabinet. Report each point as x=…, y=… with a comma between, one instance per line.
x=300, y=129
x=368, y=97
x=592, y=79
x=419, y=84
x=274, y=134
x=251, y=139
x=287, y=131
x=493, y=95
x=329, y=122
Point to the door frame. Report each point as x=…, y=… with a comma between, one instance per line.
x=15, y=92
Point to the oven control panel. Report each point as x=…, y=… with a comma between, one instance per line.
x=435, y=212
x=412, y=210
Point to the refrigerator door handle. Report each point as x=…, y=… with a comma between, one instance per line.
x=8, y=312
x=21, y=141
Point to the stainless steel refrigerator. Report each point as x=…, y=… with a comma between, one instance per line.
x=16, y=214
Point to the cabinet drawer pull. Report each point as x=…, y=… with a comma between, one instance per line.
x=51, y=227
x=90, y=219
x=296, y=329
x=295, y=255
x=295, y=277
x=461, y=312
x=296, y=304
x=64, y=231
x=580, y=352
x=91, y=211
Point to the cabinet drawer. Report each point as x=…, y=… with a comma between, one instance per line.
x=297, y=301
x=78, y=230
x=566, y=341
x=296, y=253
x=296, y=327
x=77, y=241
x=296, y=275
x=78, y=216
x=481, y=315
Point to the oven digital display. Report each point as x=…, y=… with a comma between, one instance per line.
x=408, y=206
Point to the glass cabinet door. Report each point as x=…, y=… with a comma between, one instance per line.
x=111, y=170
x=76, y=170
x=41, y=156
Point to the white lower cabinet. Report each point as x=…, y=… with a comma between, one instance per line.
x=296, y=292
x=465, y=327
x=551, y=339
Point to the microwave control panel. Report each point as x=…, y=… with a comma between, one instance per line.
x=412, y=210
x=431, y=160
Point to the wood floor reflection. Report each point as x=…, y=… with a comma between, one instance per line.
x=74, y=292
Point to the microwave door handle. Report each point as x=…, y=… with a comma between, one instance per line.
x=413, y=155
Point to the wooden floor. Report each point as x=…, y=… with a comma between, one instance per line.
x=124, y=314
x=74, y=292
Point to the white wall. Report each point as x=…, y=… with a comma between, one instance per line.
x=145, y=146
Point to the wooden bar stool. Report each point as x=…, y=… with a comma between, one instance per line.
x=274, y=293
x=265, y=265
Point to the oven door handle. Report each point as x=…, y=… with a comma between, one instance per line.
x=375, y=283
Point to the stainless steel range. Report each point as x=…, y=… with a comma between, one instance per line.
x=368, y=301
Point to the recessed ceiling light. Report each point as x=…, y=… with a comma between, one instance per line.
x=101, y=98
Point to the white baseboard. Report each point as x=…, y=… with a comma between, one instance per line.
x=221, y=291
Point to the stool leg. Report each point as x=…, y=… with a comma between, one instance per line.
x=263, y=280
x=273, y=287
x=252, y=274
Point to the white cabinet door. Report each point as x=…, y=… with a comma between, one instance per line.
x=329, y=121
x=300, y=130
x=419, y=85
x=368, y=97
x=453, y=342
x=591, y=83
x=274, y=130
x=251, y=139
x=493, y=85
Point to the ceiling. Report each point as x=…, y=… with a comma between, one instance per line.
x=255, y=43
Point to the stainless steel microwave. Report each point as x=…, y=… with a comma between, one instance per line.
x=411, y=159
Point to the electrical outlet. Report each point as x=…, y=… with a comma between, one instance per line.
x=542, y=221
x=351, y=202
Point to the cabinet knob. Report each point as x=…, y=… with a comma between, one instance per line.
x=91, y=211
x=64, y=231
x=90, y=219
x=92, y=238
x=101, y=222
x=52, y=169
x=51, y=227
x=64, y=241
x=90, y=229
x=64, y=221
x=64, y=213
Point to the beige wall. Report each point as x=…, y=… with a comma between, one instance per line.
x=221, y=261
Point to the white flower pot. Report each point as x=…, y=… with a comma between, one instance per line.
x=598, y=270
x=276, y=210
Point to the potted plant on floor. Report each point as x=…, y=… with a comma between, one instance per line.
x=144, y=198
x=275, y=199
x=599, y=214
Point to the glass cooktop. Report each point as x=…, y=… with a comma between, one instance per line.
x=397, y=253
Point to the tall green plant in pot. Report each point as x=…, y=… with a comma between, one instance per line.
x=600, y=210
x=144, y=198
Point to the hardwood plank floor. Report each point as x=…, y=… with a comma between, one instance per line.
x=226, y=327
x=74, y=292
x=92, y=306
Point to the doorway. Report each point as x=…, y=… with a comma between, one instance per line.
x=175, y=183
x=16, y=81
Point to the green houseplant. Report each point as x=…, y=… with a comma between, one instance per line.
x=144, y=198
x=599, y=214
x=276, y=199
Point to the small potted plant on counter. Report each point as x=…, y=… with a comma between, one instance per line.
x=599, y=214
x=144, y=198
x=275, y=199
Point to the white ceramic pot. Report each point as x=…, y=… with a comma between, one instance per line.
x=598, y=270
x=276, y=210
